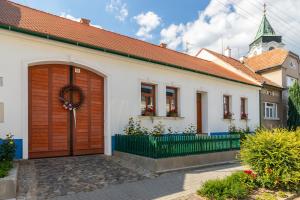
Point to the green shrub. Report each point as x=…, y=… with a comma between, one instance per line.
x=135, y=128
x=7, y=148
x=236, y=186
x=213, y=189
x=274, y=156
x=158, y=129
x=191, y=129
x=242, y=132
x=5, y=166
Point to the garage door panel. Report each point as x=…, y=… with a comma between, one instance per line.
x=48, y=121
x=52, y=130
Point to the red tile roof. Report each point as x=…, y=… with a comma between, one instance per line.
x=268, y=59
x=242, y=67
x=32, y=20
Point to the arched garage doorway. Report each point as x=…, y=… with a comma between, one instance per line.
x=55, y=131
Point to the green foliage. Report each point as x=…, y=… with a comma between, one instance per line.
x=213, y=189
x=294, y=106
x=135, y=128
x=282, y=194
x=266, y=196
x=236, y=186
x=242, y=132
x=191, y=129
x=7, y=148
x=158, y=129
x=274, y=156
x=5, y=166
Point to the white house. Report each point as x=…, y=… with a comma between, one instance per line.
x=120, y=77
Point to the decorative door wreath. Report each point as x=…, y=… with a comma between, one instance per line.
x=67, y=103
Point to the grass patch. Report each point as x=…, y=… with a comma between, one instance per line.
x=237, y=186
x=5, y=166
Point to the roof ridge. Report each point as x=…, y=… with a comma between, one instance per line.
x=268, y=52
x=149, y=43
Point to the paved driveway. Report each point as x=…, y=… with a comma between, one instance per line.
x=170, y=186
x=53, y=177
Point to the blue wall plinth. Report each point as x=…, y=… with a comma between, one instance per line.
x=19, y=150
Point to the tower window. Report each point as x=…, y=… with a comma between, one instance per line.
x=271, y=48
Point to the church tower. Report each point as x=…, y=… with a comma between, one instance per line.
x=265, y=39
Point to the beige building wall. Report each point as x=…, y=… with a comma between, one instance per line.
x=290, y=68
x=271, y=95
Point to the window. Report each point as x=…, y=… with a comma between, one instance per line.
x=148, y=99
x=293, y=64
x=271, y=48
x=270, y=110
x=226, y=107
x=290, y=81
x=1, y=81
x=244, y=114
x=171, y=97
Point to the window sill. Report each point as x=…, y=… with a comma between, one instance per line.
x=272, y=119
x=228, y=118
x=160, y=117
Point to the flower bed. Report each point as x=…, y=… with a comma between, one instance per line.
x=273, y=156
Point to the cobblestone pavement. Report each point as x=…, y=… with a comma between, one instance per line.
x=170, y=186
x=52, y=177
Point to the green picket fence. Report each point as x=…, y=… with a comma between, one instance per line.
x=175, y=145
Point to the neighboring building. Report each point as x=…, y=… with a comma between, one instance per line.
x=273, y=67
x=271, y=106
x=265, y=39
x=120, y=77
x=282, y=67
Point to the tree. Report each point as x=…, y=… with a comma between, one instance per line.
x=294, y=107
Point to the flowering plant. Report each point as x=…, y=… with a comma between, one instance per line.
x=244, y=116
x=250, y=172
x=228, y=115
x=172, y=113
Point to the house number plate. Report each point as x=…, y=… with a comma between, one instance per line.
x=77, y=70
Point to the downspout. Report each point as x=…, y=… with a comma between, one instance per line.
x=260, y=109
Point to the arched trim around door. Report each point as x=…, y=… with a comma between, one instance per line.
x=54, y=131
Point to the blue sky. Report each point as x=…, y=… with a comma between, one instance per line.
x=185, y=25
x=170, y=11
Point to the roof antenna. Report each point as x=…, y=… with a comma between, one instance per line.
x=187, y=46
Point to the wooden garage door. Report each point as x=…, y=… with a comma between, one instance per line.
x=52, y=130
x=90, y=116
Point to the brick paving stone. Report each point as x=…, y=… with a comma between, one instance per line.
x=52, y=177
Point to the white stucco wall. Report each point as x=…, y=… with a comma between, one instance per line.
x=123, y=77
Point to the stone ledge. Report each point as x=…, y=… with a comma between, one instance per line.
x=163, y=165
x=8, y=184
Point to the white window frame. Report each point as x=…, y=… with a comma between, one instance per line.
x=292, y=79
x=271, y=112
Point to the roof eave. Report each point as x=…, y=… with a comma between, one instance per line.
x=85, y=45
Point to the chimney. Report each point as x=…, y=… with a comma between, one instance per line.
x=163, y=45
x=242, y=59
x=85, y=21
x=227, y=52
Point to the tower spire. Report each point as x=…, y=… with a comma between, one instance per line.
x=265, y=8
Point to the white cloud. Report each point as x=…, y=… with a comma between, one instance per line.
x=118, y=8
x=235, y=23
x=148, y=22
x=68, y=16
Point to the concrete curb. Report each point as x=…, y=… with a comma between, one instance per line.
x=8, y=185
x=164, y=165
